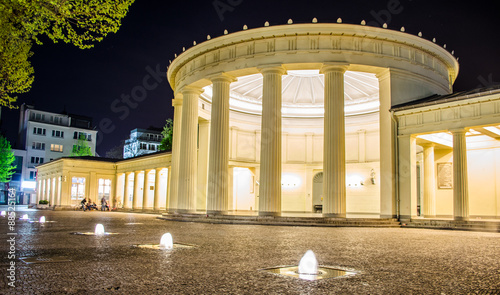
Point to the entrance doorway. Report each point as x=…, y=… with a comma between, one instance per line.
x=317, y=192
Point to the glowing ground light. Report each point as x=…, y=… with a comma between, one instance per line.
x=308, y=264
x=99, y=230
x=3, y=213
x=25, y=217
x=308, y=269
x=166, y=241
x=42, y=219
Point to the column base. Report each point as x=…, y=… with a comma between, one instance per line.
x=460, y=218
x=429, y=216
x=269, y=213
x=334, y=215
x=214, y=212
x=388, y=216
x=185, y=211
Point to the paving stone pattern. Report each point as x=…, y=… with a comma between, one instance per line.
x=227, y=258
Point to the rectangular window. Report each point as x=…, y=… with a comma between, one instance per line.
x=56, y=147
x=104, y=188
x=57, y=133
x=32, y=174
x=77, y=188
x=38, y=146
x=36, y=160
x=39, y=131
x=82, y=135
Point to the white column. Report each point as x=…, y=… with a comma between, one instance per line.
x=145, y=191
x=135, y=192
x=156, y=201
x=217, y=197
x=202, y=178
x=186, y=202
x=460, y=179
x=176, y=151
x=57, y=195
x=429, y=182
x=48, y=190
x=407, y=176
x=270, y=155
x=388, y=201
x=38, y=190
x=126, y=193
x=334, y=184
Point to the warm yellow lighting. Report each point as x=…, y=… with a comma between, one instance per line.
x=493, y=129
x=354, y=181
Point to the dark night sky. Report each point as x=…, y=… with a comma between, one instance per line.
x=87, y=82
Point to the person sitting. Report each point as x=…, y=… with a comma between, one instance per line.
x=89, y=204
x=104, y=204
x=83, y=204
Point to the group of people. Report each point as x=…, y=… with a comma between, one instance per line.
x=89, y=205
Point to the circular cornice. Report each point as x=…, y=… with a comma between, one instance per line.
x=309, y=46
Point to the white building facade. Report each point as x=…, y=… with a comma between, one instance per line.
x=142, y=141
x=46, y=136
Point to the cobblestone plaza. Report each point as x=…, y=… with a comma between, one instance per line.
x=228, y=259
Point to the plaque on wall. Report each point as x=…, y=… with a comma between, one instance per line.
x=445, y=175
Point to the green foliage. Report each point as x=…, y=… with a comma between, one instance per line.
x=168, y=132
x=43, y=202
x=6, y=160
x=25, y=22
x=81, y=148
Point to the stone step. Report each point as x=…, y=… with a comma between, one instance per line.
x=470, y=225
x=286, y=221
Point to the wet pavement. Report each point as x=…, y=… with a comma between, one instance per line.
x=228, y=259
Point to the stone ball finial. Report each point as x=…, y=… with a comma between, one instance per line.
x=183, y=49
x=339, y=20
x=208, y=37
x=169, y=61
x=363, y=23
x=290, y=21
x=434, y=40
x=420, y=34
x=444, y=46
x=453, y=52
x=225, y=32
x=245, y=27
x=403, y=29
x=175, y=55
x=315, y=20
x=384, y=26
x=194, y=43
x=266, y=24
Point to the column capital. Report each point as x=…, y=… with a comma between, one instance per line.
x=203, y=122
x=333, y=67
x=191, y=90
x=459, y=130
x=176, y=102
x=222, y=77
x=272, y=69
x=427, y=145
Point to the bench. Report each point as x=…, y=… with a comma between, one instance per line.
x=318, y=208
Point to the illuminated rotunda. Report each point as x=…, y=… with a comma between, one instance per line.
x=346, y=120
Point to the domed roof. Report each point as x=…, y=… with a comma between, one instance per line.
x=303, y=93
